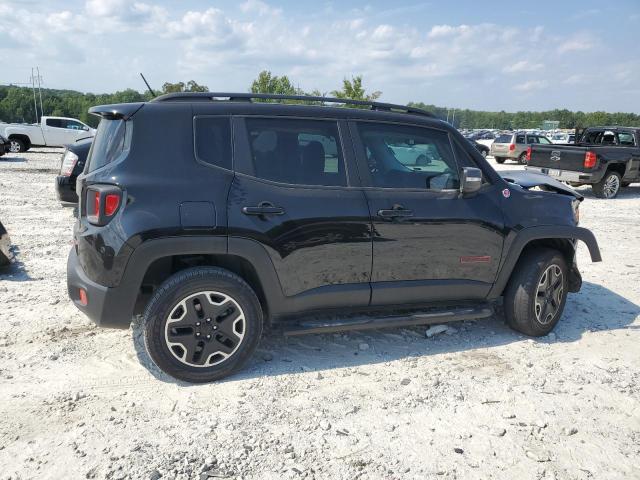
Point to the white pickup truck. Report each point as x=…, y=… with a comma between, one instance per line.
x=50, y=132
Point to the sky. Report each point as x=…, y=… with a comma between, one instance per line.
x=579, y=55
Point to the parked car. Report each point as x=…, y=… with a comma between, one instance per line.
x=4, y=145
x=50, y=132
x=514, y=146
x=6, y=256
x=607, y=158
x=254, y=214
x=483, y=149
x=71, y=165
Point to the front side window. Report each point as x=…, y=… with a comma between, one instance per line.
x=72, y=125
x=302, y=152
x=213, y=141
x=401, y=156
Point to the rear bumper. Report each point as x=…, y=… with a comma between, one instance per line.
x=565, y=175
x=66, y=189
x=104, y=305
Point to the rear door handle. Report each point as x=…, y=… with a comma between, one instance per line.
x=263, y=209
x=396, y=211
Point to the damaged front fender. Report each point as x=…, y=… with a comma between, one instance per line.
x=531, y=180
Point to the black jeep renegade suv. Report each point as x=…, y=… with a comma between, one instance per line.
x=213, y=215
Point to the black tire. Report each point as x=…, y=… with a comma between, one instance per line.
x=17, y=145
x=193, y=283
x=525, y=310
x=522, y=159
x=609, y=186
x=500, y=159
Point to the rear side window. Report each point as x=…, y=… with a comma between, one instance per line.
x=519, y=138
x=112, y=138
x=544, y=140
x=504, y=139
x=213, y=141
x=55, y=122
x=626, y=138
x=303, y=152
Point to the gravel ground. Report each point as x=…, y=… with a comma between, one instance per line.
x=475, y=401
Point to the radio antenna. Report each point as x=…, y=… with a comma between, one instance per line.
x=147, y=83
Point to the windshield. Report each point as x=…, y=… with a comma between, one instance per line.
x=108, y=143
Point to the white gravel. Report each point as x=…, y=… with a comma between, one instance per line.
x=477, y=401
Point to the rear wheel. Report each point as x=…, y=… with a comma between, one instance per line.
x=537, y=292
x=522, y=159
x=202, y=324
x=16, y=145
x=500, y=159
x=609, y=186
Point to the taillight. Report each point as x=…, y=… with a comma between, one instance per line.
x=69, y=161
x=102, y=203
x=512, y=147
x=590, y=159
x=84, y=301
x=111, y=202
x=528, y=154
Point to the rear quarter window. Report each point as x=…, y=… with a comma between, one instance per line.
x=213, y=141
x=112, y=138
x=504, y=139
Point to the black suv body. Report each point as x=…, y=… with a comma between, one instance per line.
x=261, y=212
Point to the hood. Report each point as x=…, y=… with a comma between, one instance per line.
x=528, y=180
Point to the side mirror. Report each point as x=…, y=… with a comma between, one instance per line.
x=471, y=181
x=85, y=128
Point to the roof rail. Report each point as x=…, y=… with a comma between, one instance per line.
x=248, y=97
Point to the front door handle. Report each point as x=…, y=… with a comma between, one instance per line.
x=263, y=209
x=396, y=211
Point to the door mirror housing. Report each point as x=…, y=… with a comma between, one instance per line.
x=471, y=181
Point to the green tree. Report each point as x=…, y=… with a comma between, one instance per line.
x=353, y=89
x=268, y=83
x=190, y=86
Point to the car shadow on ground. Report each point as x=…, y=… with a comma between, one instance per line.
x=16, y=270
x=593, y=309
x=12, y=159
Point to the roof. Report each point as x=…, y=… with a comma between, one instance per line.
x=275, y=98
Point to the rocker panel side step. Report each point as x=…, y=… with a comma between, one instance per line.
x=454, y=314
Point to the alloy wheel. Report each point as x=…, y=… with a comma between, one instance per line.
x=205, y=328
x=549, y=294
x=14, y=147
x=611, y=186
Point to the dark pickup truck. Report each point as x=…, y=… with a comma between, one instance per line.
x=607, y=158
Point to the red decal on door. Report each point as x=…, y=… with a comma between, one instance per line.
x=474, y=259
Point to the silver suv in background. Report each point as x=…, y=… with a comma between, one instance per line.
x=514, y=146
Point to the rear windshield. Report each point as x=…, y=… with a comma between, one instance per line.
x=504, y=139
x=110, y=141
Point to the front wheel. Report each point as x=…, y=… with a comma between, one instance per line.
x=609, y=186
x=202, y=324
x=537, y=292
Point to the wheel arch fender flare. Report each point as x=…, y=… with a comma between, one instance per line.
x=516, y=245
x=149, y=251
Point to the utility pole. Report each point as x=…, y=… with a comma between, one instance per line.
x=33, y=87
x=40, y=90
x=453, y=120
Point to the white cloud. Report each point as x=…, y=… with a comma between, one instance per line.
x=531, y=85
x=522, y=66
x=577, y=43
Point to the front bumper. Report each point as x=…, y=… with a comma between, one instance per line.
x=105, y=306
x=565, y=175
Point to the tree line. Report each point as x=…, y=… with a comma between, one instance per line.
x=17, y=105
